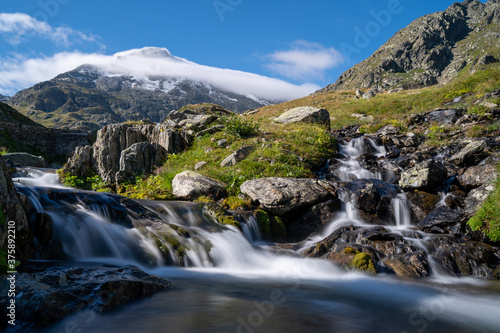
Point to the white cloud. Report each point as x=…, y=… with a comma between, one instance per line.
x=18, y=73
x=17, y=28
x=305, y=60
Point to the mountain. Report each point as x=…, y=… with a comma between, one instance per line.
x=431, y=50
x=3, y=97
x=11, y=115
x=92, y=96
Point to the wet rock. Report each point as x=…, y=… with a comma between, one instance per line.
x=471, y=154
x=373, y=199
x=46, y=295
x=441, y=220
x=422, y=203
x=191, y=185
x=305, y=114
x=283, y=195
x=237, y=156
x=26, y=160
x=413, y=264
x=477, y=176
x=426, y=176
x=312, y=220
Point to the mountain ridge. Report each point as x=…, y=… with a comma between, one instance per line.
x=430, y=50
x=90, y=96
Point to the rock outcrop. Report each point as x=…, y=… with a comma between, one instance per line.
x=26, y=160
x=431, y=50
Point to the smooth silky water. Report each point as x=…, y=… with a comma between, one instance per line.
x=241, y=284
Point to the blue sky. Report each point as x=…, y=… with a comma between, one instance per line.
x=300, y=42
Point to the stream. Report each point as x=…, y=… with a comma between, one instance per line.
x=227, y=280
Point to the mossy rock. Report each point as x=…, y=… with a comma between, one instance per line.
x=216, y=211
x=278, y=229
x=264, y=223
x=363, y=262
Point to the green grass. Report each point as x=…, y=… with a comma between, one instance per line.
x=487, y=219
x=283, y=151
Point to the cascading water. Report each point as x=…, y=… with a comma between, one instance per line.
x=234, y=283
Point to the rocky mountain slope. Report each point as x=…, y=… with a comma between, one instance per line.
x=89, y=97
x=431, y=50
x=11, y=115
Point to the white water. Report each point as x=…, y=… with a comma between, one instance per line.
x=236, y=274
x=36, y=177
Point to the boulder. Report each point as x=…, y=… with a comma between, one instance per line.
x=477, y=197
x=427, y=176
x=370, y=94
x=26, y=160
x=46, y=295
x=199, y=165
x=411, y=264
x=305, y=114
x=471, y=154
x=388, y=130
x=82, y=163
x=422, y=203
x=477, y=176
x=446, y=117
x=312, y=220
x=441, y=220
x=190, y=185
x=237, y=156
x=282, y=195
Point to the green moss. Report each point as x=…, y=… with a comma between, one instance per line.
x=363, y=262
x=216, y=211
x=234, y=202
x=350, y=250
x=264, y=223
x=278, y=229
x=487, y=219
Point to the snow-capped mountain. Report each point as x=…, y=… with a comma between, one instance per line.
x=138, y=84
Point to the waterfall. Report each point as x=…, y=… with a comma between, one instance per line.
x=402, y=213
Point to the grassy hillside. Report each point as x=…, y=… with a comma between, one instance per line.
x=300, y=150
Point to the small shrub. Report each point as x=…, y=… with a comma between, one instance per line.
x=240, y=127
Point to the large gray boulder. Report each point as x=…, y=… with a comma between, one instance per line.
x=26, y=160
x=470, y=154
x=425, y=176
x=305, y=114
x=477, y=197
x=282, y=195
x=190, y=185
x=478, y=175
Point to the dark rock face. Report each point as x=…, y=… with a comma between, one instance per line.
x=441, y=220
x=428, y=50
x=12, y=210
x=47, y=295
